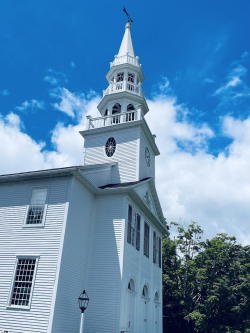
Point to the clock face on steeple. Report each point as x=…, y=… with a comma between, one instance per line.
x=110, y=147
x=147, y=156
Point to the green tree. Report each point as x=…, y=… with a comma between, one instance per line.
x=206, y=285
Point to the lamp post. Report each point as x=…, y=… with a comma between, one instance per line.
x=83, y=301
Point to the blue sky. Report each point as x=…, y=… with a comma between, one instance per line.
x=195, y=57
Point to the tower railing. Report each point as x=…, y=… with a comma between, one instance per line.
x=116, y=87
x=114, y=119
x=126, y=59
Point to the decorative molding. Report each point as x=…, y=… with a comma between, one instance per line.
x=147, y=200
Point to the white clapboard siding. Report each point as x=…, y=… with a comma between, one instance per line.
x=144, y=169
x=74, y=262
x=16, y=240
x=99, y=177
x=125, y=154
x=104, y=275
x=142, y=269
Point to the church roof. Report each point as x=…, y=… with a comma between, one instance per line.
x=127, y=45
x=78, y=172
x=124, y=184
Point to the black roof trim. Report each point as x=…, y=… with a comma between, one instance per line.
x=124, y=184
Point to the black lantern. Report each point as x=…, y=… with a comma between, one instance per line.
x=83, y=301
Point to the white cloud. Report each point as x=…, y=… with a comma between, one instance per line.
x=52, y=80
x=4, y=92
x=213, y=191
x=73, y=104
x=164, y=85
x=235, y=88
x=32, y=105
x=207, y=80
x=192, y=184
x=245, y=54
x=233, y=79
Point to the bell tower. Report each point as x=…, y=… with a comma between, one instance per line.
x=121, y=134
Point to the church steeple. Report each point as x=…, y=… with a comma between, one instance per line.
x=127, y=45
x=121, y=134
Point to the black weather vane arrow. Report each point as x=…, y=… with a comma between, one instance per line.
x=129, y=18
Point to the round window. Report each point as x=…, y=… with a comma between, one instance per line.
x=110, y=147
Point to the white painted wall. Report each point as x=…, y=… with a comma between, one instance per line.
x=104, y=278
x=144, y=169
x=125, y=154
x=36, y=241
x=142, y=270
x=74, y=262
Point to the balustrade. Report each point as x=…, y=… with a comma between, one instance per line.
x=114, y=119
x=123, y=86
x=126, y=59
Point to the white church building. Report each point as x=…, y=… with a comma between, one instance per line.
x=97, y=226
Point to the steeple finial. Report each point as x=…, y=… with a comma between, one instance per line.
x=129, y=18
x=127, y=45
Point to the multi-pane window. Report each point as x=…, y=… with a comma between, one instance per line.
x=23, y=282
x=37, y=206
x=134, y=225
x=156, y=249
x=119, y=77
x=131, y=77
x=146, y=239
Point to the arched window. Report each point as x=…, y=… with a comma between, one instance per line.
x=130, y=107
x=145, y=291
x=156, y=297
x=131, y=114
x=116, y=108
x=131, y=285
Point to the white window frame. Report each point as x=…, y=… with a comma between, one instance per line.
x=136, y=213
x=157, y=248
x=36, y=225
x=149, y=239
x=22, y=307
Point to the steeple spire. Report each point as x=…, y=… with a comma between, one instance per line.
x=127, y=45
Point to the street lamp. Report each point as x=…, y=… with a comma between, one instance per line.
x=83, y=301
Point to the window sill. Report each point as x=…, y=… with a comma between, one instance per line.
x=145, y=256
x=18, y=307
x=33, y=225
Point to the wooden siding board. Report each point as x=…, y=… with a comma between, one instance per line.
x=104, y=276
x=144, y=170
x=72, y=278
x=125, y=154
x=17, y=240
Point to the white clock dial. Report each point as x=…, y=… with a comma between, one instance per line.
x=147, y=156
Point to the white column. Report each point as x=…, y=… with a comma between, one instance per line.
x=89, y=118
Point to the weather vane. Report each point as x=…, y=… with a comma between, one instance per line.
x=129, y=18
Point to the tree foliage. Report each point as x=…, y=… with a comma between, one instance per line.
x=206, y=284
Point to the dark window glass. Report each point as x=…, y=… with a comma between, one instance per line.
x=154, y=247
x=120, y=77
x=146, y=239
x=159, y=252
x=129, y=224
x=23, y=282
x=131, y=77
x=36, y=207
x=138, y=226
